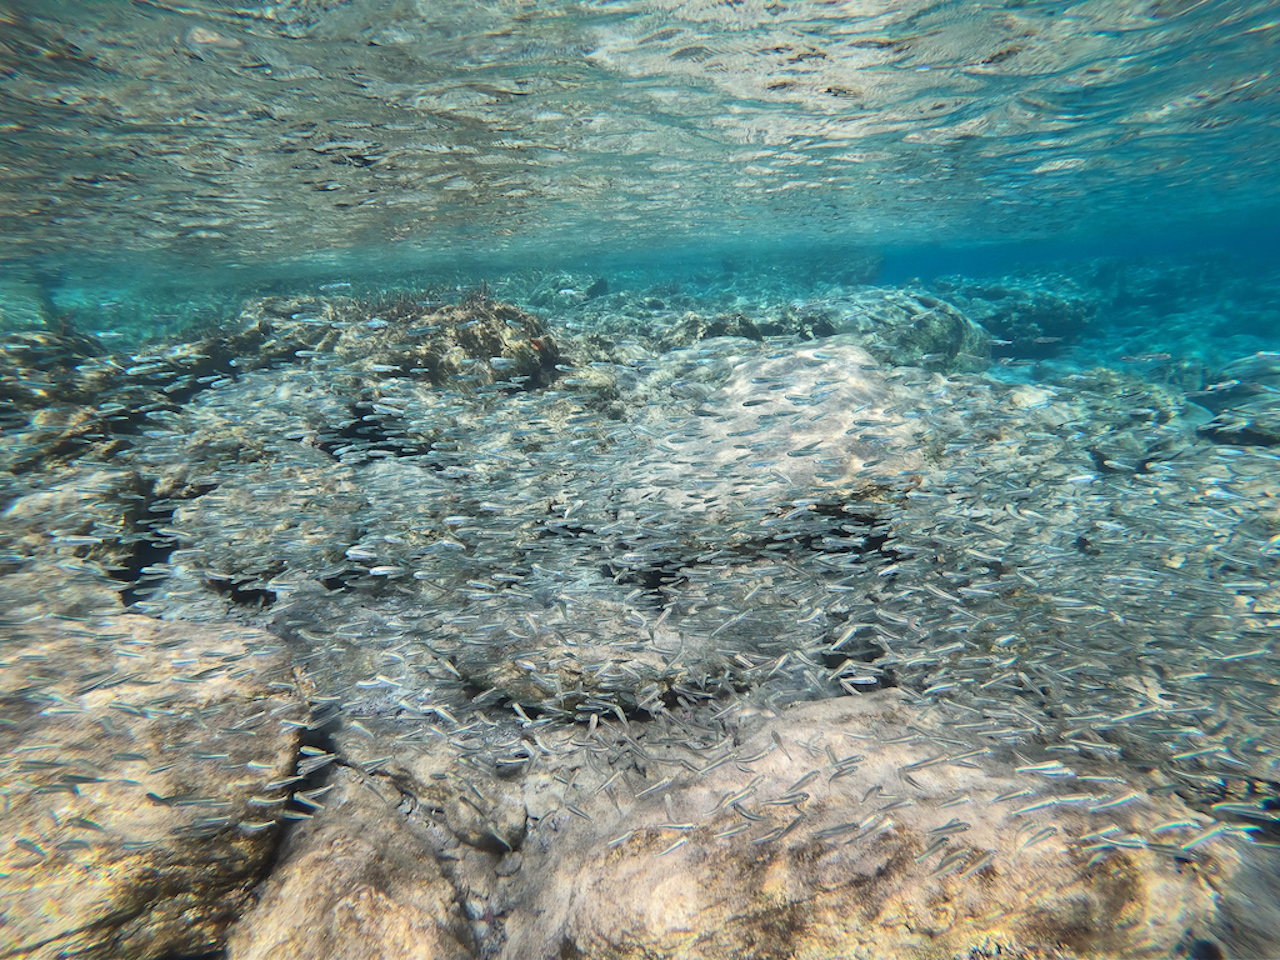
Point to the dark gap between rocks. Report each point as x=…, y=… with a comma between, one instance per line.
x=149, y=548
x=240, y=591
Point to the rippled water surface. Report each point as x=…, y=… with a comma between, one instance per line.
x=210, y=131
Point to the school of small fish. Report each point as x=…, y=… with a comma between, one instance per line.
x=482, y=555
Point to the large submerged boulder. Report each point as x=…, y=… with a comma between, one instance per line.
x=147, y=771
x=855, y=827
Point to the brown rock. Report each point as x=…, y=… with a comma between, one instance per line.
x=894, y=855
x=358, y=881
x=85, y=516
x=139, y=757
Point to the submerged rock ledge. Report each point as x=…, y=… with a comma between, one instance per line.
x=848, y=828
x=419, y=630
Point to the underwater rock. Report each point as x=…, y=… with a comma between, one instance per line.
x=70, y=399
x=358, y=881
x=63, y=433
x=406, y=856
x=266, y=504
x=598, y=384
x=1132, y=423
x=525, y=609
x=557, y=291
x=140, y=760
x=309, y=543
x=1240, y=382
x=1224, y=394
x=478, y=341
x=858, y=827
x=39, y=368
x=802, y=320
x=862, y=826
x=767, y=425
x=495, y=823
x=693, y=327
x=482, y=340
x=1245, y=398
x=291, y=510
x=571, y=677
x=1253, y=423
x=1262, y=368
x=89, y=518
x=475, y=796
x=1038, y=315
x=903, y=328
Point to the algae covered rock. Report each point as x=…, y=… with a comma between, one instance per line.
x=1036, y=314
x=906, y=328
x=693, y=327
x=479, y=340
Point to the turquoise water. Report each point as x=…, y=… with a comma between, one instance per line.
x=586, y=402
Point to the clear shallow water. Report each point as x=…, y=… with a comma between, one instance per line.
x=1040, y=507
